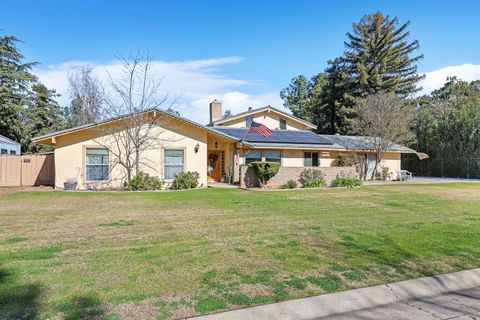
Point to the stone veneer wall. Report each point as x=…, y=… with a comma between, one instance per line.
x=248, y=178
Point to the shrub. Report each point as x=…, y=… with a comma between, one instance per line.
x=344, y=182
x=264, y=171
x=290, y=184
x=143, y=181
x=186, y=180
x=312, y=178
x=314, y=183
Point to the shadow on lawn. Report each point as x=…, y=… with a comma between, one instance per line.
x=379, y=249
x=17, y=301
x=82, y=308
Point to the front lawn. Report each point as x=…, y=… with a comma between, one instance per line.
x=176, y=254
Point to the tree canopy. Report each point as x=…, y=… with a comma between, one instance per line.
x=15, y=80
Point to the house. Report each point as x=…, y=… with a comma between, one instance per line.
x=8, y=146
x=218, y=151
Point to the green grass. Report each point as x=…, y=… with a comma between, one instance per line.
x=177, y=254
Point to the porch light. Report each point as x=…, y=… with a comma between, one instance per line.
x=216, y=145
x=197, y=147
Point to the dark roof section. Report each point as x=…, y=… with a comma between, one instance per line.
x=220, y=121
x=86, y=126
x=278, y=136
x=361, y=143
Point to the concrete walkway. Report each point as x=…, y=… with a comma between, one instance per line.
x=448, y=296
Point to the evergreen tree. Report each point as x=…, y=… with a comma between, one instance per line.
x=297, y=96
x=379, y=57
x=336, y=104
x=41, y=116
x=15, y=79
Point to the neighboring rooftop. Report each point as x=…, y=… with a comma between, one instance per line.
x=7, y=140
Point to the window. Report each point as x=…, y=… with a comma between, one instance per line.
x=310, y=159
x=248, y=121
x=273, y=156
x=173, y=163
x=13, y=152
x=96, y=164
x=283, y=124
x=3, y=151
x=252, y=156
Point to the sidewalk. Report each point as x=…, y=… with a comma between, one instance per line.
x=448, y=296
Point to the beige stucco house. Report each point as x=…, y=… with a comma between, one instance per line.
x=217, y=151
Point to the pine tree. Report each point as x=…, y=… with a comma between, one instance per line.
x=336, y=102
x=15, y=79
x=379, y=56
x=41, y=116
x=296, y=97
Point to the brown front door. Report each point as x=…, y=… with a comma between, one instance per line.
x=214, y=165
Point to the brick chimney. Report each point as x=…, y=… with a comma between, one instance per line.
x=215, y=110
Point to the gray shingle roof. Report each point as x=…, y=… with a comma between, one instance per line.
x=361, y=143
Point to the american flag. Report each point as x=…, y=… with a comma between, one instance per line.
x=260, y=129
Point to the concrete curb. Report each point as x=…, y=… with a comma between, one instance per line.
x=354, y=300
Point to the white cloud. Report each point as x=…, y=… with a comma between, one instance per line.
x=437, y=78
x=195, y=82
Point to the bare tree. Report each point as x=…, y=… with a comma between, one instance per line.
x=384, y=119
x=134, y=103
x=87, y=97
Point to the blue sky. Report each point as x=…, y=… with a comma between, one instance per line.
x=241, y=52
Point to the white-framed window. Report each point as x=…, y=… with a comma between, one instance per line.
x=283, y=124
x=96, y=164
x=13, y=152
x=173, y=162
x=252, y=156
x=3, y=151
x=248, y=121
x=273, y=156
x=310, y=159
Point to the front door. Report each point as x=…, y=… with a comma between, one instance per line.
x=214, y=165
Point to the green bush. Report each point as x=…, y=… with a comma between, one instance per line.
x=312, y=178
x=186, y=180
x=314, y=183
x=346, y=182
x=290, y=184
x=264, y=170
x=143, y=181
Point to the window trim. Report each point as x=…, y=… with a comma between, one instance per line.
x=279, y=151
x=262, y=159
x=263, y=153
x=184, y=149
x=84, y=164
x=280, y=121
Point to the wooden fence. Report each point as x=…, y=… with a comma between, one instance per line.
x=27, y=170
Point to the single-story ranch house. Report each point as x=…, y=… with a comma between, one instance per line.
x=217, y=151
